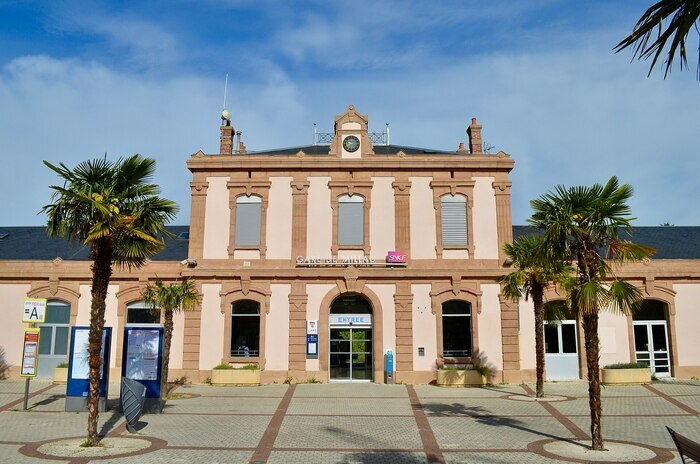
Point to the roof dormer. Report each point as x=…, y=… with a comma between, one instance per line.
x=351, y=139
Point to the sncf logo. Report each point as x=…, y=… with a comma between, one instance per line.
x=396, y=257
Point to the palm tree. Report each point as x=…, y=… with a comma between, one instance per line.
x=580, y=223
x=170, y=299
x=683, y=13
x=113, y=209
x=534, y=271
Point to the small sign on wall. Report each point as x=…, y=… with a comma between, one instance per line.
x=312, y=346
x=311, y=327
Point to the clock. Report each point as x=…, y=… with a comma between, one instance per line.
x=351, y=143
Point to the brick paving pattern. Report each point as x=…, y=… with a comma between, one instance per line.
x=359, y=423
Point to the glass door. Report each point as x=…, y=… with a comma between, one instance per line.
x=651, y=346
x=361, y=347
x=340, y=354
x=351, y=354
x=561, y=351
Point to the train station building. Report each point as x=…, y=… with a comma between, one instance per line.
x=315, y=261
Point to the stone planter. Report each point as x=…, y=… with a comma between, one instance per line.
x=634, y=376
x=60, y=375
x=224, y=377
x=459, y=378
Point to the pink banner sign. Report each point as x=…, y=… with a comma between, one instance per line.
x=396, y=257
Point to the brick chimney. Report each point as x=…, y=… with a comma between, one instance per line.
x=227, y=132
x=474, y=133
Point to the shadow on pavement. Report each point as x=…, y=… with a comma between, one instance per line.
x=47, y=401
x=109, y=424
x=384, y=453
x=483, y=416
x=382, y=457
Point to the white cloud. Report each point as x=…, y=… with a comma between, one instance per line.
x=143, y=43
x=567, y=110
x=70, y=110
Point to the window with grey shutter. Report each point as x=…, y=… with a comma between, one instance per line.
x=351, y=221
x=453, y=216
x=248, y=215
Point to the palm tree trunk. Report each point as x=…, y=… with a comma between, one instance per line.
x=592, y=344
x=538, y=301
x=101, y=273
x=167, y=338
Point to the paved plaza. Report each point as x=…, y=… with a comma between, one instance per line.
x=359, y=423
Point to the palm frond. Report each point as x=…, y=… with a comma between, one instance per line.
x=513, y=284
x=623, y=297
x=176, y=296
x=625, y=251
x=683, y=14
x=590, y=297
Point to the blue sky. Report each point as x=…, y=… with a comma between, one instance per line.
x=78, y=79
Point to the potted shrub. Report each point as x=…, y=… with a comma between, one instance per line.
x=461, y=376
x=60, y=373
x=226, y=374
x=626, y=374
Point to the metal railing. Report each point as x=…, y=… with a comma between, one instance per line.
x=323, y=138
x=326, y=138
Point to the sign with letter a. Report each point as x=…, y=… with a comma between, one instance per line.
x=34, y=310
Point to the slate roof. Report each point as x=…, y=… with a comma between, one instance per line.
x=32, y=243
x=675, y=242
x=378, y=150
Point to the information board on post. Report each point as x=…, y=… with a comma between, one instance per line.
x=34, y=310
x=30, y=352
x=142, y=357
x=79, y=368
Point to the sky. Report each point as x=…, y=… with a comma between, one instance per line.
x=79, y=80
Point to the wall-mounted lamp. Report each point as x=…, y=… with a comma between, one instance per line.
x=508, y=262
x=189, y=262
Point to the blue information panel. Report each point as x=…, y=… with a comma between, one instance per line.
x=312, y=346
x=143, y=357
x=78, y=367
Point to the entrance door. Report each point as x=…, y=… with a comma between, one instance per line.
x=561, y=351
x=351, y=354
x=651, y=346
x=53, y=344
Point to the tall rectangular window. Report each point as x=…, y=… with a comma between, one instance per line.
x=248, y=220
x=351, y=221
x=245, y=329
x=456, y=329
x=453, y=216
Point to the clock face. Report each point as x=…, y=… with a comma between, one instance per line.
x=351, y=143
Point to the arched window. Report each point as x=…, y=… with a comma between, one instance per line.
x=651, y=310
x=245, y=328
x=456, y=329
x=351, y=220
x=453, y=217
x=248, y=220
x=351, y=304
x=139, y=313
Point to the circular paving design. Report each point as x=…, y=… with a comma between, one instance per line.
x=617, y=451
x=68, y=449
